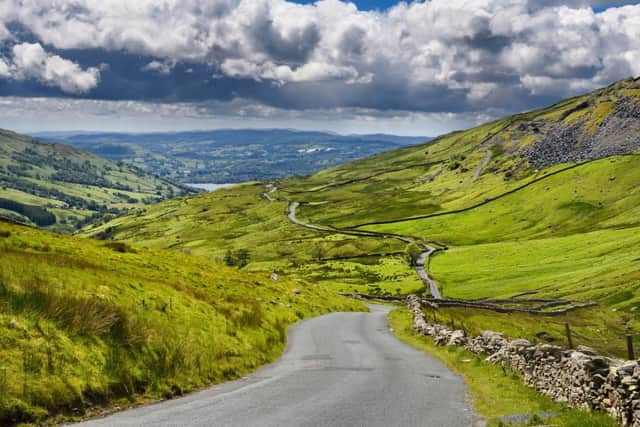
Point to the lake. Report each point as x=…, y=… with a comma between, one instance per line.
x=209, y=187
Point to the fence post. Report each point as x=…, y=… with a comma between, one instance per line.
x=567, y=330
x=630, y=353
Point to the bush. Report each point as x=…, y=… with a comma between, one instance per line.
x=239, y=258
x=121, y=247
x=412, y=253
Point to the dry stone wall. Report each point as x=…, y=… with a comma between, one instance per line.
x=580, y=378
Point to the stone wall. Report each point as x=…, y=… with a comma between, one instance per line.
x=580, y=378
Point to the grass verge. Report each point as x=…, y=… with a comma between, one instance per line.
x=496, y=392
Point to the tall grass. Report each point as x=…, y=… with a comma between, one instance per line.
x=79, y=315
x=83, y=324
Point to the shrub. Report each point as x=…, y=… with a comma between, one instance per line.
x=120, y=247
x=412, y=253
x=239, y=258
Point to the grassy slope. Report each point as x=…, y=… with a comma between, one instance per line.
x=440, y=176
x=574, y=235
x=31, y=173
x=84, y=323
x=240, y=218
x=565, y=230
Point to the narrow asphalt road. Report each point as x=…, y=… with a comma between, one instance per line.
x=341, y=369
x=422, y=264
x=422, y=268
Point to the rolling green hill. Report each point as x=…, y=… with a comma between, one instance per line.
x=87, y=323
x=62, y=188
x=544, y=202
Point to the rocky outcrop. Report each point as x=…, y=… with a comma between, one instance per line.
x=617, y=134
x=580, y=378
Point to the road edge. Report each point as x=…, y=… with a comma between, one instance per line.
x=493, y=396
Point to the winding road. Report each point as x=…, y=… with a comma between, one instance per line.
x=341, y=369
x=422, y=268
x=422, y=264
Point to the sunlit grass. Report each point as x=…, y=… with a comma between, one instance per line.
x=86, y=322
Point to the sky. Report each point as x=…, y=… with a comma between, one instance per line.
x=363, y=4
x=412, y=68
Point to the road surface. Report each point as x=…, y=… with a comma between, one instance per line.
x=422, y=267
x=422, y=264
x=341, y=369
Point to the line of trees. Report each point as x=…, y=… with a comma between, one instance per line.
x=40, y=216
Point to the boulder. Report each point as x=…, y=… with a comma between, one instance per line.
x=457, y=338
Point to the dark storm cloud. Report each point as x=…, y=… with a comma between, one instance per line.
x=488, y=41
x=294, y=48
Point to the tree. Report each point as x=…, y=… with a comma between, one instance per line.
x=412, y=253
x=239, y=258
x=242, y=258
x=228, y=258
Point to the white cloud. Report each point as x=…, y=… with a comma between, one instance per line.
x=31, y=61
x=475, y=50
x=5, y=71
x=162, y=67
x=4, y=32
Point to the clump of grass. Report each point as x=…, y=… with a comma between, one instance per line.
x=91, y=316
x=599, y=114
x=249, y=317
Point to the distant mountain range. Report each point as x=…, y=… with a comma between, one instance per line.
x=231, y=155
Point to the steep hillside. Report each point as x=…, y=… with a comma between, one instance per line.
x=544, y=203
x=61, y=187
x=464, y=168
x=85, y=323
x=232, y=155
